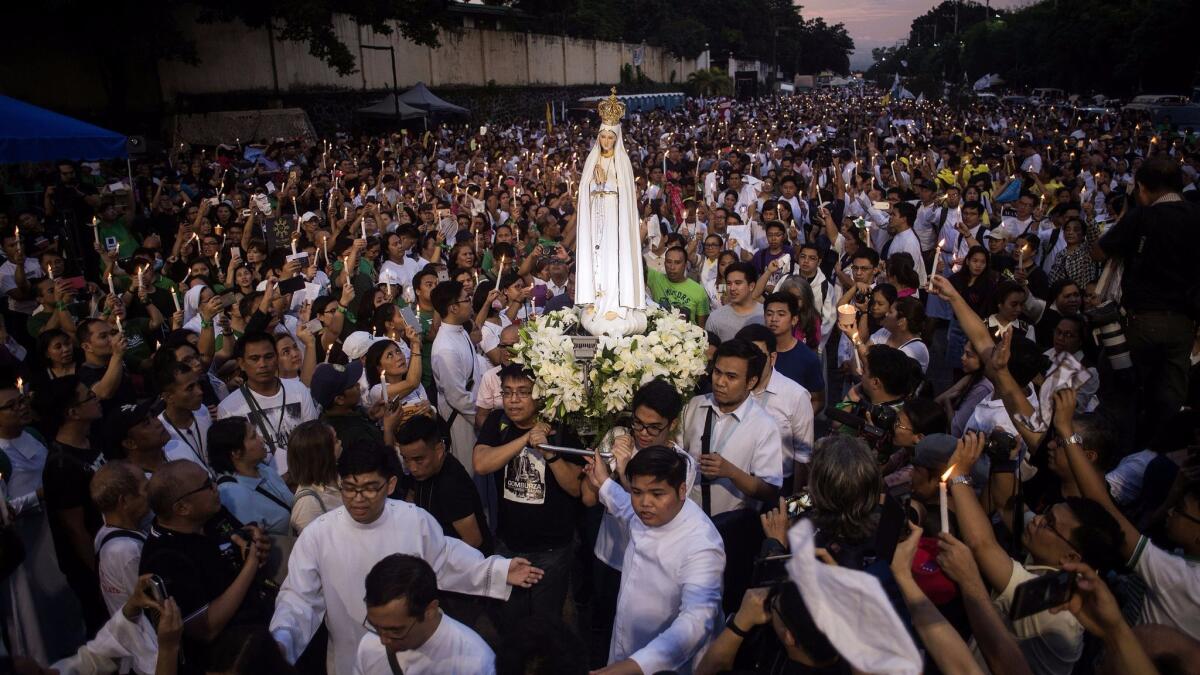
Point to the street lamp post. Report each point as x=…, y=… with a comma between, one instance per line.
x=395, y=85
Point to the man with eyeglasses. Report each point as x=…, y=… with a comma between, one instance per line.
x=538, y=492
x=336, y=552
x=456, y=370
x=207, y=559
x=1078, y=529
x=1171, y=580
x=656, y=408
x=408, y=633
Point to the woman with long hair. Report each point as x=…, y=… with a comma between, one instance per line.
x=975, y=282
x=902, y=327
x=313, y=450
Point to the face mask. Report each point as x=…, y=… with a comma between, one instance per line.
x=158, y=264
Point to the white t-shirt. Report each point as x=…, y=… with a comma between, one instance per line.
x=118, y=565
x=914, y=348
x=1051, y=643
x=281, y=413
x=193, y=438
x=8, y=282
x=1172, y=588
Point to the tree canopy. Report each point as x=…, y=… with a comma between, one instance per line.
x=1111, y=47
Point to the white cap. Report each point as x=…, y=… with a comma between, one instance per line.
x=357, y=343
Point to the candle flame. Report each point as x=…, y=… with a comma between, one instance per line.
x=949, y=470
x=20, y=384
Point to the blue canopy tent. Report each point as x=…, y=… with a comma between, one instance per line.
x=32, y=134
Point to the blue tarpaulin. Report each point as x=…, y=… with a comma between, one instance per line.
x=32, y=134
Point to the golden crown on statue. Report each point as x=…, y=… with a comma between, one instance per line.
x=611, y=109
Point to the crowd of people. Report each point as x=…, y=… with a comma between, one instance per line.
x=259, y=411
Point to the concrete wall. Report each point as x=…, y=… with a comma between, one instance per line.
x=236, y=58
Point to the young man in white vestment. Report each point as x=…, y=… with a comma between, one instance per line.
x=669, y=606
x=407, y=631
x=335, y=552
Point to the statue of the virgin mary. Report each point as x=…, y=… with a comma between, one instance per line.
x=608, y=258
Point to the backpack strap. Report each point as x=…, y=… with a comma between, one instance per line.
x=118, y=534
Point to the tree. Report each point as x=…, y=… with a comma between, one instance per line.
x=710, y=82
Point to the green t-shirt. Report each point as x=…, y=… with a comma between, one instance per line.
x=686, y=296
x=126, y=242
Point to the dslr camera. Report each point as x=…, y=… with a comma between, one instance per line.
x=874, y=423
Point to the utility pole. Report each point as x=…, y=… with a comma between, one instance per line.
x=395, y=87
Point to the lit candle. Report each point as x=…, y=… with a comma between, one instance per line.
x=140, y=270
x=293, y=245
x=937, y=255
x=175, y=299
x=945, y=511
x=363, y=223
x=96, y=228
x=120, y=328
x=111, y=290
x=499, y=272
x=20, y=385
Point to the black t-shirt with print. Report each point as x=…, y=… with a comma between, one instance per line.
x=535, y=513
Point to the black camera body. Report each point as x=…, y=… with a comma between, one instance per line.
x=873, y=422
x=999, y=446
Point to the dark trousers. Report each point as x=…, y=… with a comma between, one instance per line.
x=547, y=596
x=1160, y=344
x=604, y=610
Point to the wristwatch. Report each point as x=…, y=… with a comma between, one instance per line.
x=965, y=480
x=1075, y=439
x=731, y=624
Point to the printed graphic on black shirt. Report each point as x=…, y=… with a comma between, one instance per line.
x=525, y=479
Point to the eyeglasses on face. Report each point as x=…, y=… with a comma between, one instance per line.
x=15, y=403
x=517, y=394
x=638, y=425
x=389, y=633
x=369, y=491
x=206, y=485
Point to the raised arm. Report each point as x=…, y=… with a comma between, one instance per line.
x=973, y=522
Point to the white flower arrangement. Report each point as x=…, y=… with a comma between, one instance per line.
x=546, y=350
x=672, y=349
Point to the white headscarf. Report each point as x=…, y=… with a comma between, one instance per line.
x=630, y=282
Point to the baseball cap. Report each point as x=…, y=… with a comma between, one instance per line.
x=330, y=379
x=996, y=233
x=126, y=417
x=933, y=452
x=357, y=343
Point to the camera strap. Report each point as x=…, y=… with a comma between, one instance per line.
x=705, y=445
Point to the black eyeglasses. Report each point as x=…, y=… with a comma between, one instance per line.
x=206, y=485
x=1178, y=511
x=1052, y=524
x=638, y=425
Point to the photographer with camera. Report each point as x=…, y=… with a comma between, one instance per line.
x=1077, y=530
x=1155, y=243
x=208, y=561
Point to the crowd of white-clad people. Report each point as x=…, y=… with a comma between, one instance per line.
x=259, y=413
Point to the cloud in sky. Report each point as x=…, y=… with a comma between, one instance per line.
x=875, y=23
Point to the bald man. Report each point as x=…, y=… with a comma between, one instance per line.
x=209, y=568
x=487, y=398
x=119, y=491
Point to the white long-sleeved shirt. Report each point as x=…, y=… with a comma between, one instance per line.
x=790, y=404
x=119, y=639
x=454, y=367
x=453, y=648
x=332, y=557
x=747, y=437
x=669, y=606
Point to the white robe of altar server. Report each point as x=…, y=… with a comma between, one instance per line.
x=669, y=607
x=330, y=562
x=453, y=649
x=457, y=373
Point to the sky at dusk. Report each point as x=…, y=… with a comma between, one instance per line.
x=876, y=23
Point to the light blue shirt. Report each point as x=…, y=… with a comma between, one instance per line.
x=244, y=497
